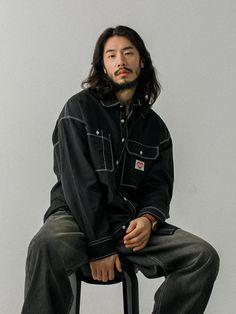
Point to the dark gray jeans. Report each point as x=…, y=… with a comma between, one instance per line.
x=189, y=264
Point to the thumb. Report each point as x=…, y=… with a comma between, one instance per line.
x=118, y=264
x=132, y=226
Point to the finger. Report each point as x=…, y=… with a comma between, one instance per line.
x=140, y=247
x=99, y=275
x=118, y=264
x=133, y=245
x=131, y=226
x=105, y=276
x=139, y=242
x=94, y=273
x=111, y=274
x=136, y=239
x=132, y=234
x=139, y=228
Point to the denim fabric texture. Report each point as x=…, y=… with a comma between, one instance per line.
x=110, y=167
x=189, y=264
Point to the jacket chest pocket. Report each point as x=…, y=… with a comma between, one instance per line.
x=101, y=150
x=137, y=160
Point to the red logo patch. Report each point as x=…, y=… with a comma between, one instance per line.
x=139, y=165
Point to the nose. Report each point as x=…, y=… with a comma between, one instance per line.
x=121, y=60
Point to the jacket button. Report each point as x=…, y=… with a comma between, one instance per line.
x=97, y=132
x=125, y=198
x=124, y=227
x=141, y=152
x=122, y=120
x=122, y=139
x=117, y=162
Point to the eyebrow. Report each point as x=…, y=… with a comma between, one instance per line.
x=125, y=48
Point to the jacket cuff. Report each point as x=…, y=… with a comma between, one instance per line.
x=153, y=211
x=100, y=248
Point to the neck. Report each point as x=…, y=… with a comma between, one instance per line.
x=125, y=96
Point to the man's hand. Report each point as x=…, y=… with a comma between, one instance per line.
x=103, y=269
x=138, y=233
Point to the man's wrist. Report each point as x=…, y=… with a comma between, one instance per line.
x=153, y=221
x=150, y=217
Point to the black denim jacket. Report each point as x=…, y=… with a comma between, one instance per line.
x=110, y=167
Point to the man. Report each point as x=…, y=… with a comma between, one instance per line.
x=114, y=167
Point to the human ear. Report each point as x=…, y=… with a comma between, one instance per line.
x=141, y=64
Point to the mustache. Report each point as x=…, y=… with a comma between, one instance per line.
x=124, y=68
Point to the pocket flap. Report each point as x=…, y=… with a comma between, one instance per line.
x=141, y=150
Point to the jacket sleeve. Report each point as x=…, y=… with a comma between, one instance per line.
x=158, y=185
x=81, y=188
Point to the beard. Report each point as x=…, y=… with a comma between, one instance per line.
x=123, y=86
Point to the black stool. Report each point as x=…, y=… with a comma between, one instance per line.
x=129, y=283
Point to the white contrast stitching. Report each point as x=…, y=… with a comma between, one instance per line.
x=56, y=144
x=100, y=257
x=66, y=109
x=162, y=142
x=111, y=105
x=122, y=172
x=142, y=213
x=142, y=156
x=152, y=207
x=102, y=137
x=99, y=241
x=122, y=175
x=131, y=203
x=71, y=117
x=100, y=170
x=143, y=144
x=103, y=152
x=130, y=185
x=99, y=136
x=112, y=159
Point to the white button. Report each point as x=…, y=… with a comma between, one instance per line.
x=124, y=227
x=122, y=120
x=97, y=132
x=123, y=139
x=141, y=152
x=125, y=198
x=117, y=162
x=121, y=106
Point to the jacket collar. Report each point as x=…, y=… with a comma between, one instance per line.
x=110, y=100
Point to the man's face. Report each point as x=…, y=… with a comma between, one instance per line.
x=121, y=60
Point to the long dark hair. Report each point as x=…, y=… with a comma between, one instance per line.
x=148, y=88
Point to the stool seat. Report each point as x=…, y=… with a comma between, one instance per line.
x=129, y=283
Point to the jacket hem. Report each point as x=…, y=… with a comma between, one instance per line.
x=101, y=249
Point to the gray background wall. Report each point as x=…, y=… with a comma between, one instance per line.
x=46, y=50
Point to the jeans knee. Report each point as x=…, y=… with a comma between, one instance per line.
x=40, y=243
x=215, y=261
x=209, y=259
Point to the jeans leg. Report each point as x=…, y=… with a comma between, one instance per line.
x=57, y=250
x=190, y=266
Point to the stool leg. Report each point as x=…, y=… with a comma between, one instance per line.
x=130, y=292
x=78, y=294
